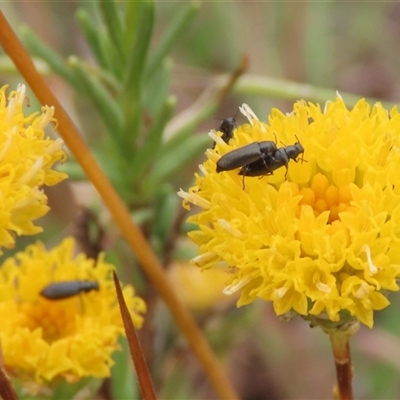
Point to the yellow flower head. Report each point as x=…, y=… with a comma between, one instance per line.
x=43, y=339
x=26, y=159
x=323, y=239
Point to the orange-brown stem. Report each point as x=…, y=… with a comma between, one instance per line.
x=344, y=370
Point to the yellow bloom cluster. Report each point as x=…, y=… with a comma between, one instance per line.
x=323, y=240
x=26, y=159
x=42, y=339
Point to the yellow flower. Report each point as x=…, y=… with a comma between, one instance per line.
x=43, y=339
x=26, y=159
x=324, y=240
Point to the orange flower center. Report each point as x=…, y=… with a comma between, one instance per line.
x=323, y=196
x=56, y=319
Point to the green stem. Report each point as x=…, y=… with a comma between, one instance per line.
x=258, y=85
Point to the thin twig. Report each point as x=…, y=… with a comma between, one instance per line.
x=239, y=71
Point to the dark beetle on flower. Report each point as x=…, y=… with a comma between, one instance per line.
x=245, y=155
x=66, y=289
x=265, y=165
x=281, y=157
x=260, y=158
x=295, y=150
x=227, y=127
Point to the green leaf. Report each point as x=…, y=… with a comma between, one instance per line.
x=142, y=215
x=73, y=169
x=132, y=96
x=101, y=45
x=173, y=161
x=52, y=58
x=123, y=382
x=157, y=88
x=185, y=250
x=115, y=167
x=144, y=157
x=176, y=27
x=105, y=104
x=114, y=62
x=85, y=388
x=131, y=21
x=7, y=66
x=113, y=21
x=166, y=203
x=91, y=33
x=260, y=85
x=183, y=125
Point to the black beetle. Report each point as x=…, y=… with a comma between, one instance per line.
x=268, y=163
x=66, y=289
x=245, y=155
x=265, y=165
x=294, y=151
x=227, y=127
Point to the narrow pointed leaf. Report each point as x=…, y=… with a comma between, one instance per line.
x=177, y=26
x=131, y=21
x=184, y=124
x=105, y=104
x=166, y=203
x=110, y=13
x=57, y=64
x=132, y=96
x=91, y=33
x=148, y=152
x=146, y=385
x=172, y=162
x=157, y=88
x=100, y=43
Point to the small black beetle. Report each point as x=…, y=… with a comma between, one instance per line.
x=245, y=155
x=265, y=165
x=294, y=151
x=227, y=127
x=66, y=289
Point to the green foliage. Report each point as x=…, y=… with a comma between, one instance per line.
x=128, y=86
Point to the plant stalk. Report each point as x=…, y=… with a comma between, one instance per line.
x=344, y=368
